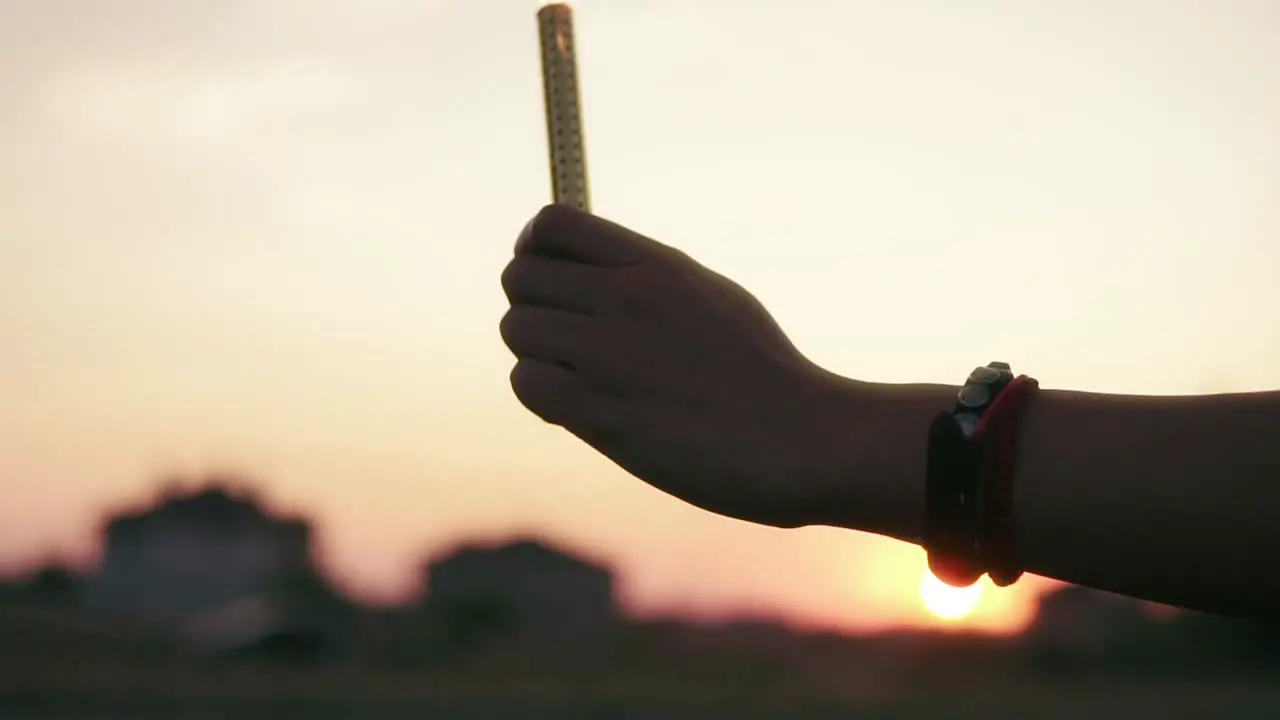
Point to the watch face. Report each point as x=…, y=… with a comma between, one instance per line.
x=974, y=395
x=980, y=389
x=984, y=375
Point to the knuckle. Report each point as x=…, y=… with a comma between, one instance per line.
x=529, y=386
x=547, y=212
x=510, y=276
x=507, y=326
x=522, y=384
x=673, y=255
x=520, y=380
x=547, y=220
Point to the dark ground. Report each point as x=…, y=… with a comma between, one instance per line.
x=331, y=698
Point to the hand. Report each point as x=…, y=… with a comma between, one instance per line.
x=675, y=373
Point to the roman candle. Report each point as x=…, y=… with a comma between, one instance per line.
x=562, y=101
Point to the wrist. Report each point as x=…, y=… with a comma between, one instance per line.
x=879, y=476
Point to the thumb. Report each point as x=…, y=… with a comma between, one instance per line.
x=563, y=232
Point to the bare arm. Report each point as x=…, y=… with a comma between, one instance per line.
x=1169, y=499
x=683, y=379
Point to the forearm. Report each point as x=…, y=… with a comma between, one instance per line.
x=1170, y=499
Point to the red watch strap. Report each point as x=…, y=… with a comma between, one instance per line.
x=998, y=433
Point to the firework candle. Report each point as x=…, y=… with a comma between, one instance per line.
x=563, y=107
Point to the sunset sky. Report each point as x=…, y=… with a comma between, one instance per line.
x=265, y=237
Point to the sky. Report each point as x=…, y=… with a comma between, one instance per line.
x=265, y=238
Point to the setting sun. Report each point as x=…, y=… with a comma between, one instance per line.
x=945, y=602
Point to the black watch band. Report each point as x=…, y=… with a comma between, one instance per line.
x=954, y=491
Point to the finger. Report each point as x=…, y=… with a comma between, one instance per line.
x=539, y=333
x=562, y=397
x=560, y=231
x=553, y=393
x=556, y=284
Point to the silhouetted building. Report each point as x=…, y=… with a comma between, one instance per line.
x=522, y=597
x=193, y=553
x=224, y=573
x=52, y=587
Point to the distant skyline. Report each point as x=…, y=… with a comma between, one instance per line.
x=265, y=238
x=947, y=607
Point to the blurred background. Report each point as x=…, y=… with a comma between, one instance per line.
x=258, y=452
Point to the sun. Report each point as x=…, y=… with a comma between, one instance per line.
x=945, y=602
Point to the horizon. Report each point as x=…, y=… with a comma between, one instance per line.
x=254, y=492
x=266, y=239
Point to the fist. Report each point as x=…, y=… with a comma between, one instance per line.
x=674, y=372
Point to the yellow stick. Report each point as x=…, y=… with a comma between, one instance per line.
x=563, y=106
